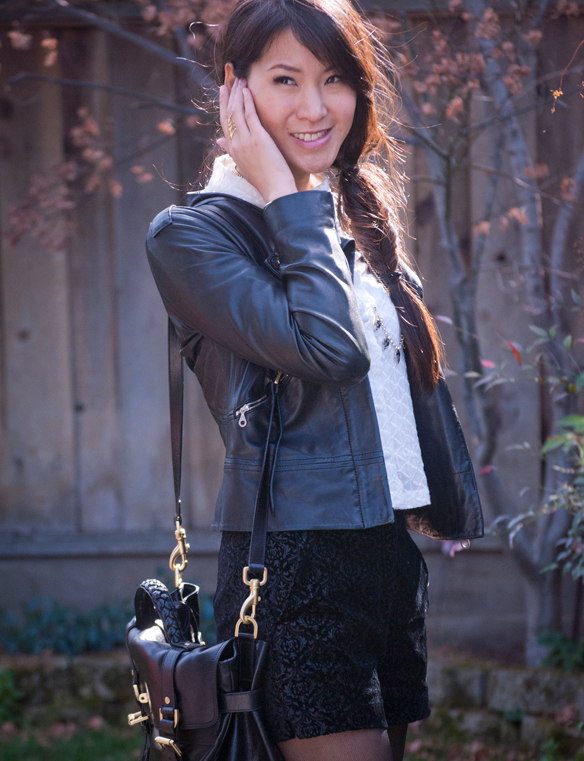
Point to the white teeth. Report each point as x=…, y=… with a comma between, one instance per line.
x=307, y=137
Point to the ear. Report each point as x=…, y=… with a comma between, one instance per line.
x=229, y=76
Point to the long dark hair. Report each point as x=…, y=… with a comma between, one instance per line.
x=369, y=180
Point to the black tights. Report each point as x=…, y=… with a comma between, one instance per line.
x=359, y=745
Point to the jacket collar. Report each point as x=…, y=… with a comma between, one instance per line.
x=224, y=182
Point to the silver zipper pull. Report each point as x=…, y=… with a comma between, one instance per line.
x=241, y=414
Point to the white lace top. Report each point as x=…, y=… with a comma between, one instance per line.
x=390, y=388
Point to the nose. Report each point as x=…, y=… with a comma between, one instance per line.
x=311, y=104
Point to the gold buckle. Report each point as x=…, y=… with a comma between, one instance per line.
x=251, y=601
x=136, y=718
x=178, y=557
x=170, y=743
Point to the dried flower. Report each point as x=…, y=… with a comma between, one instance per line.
x=518, y=214
x=454, y=107
x=567, y=190
x=19, y=40
x=166, y=127
x=488, y=27
x=481, y=228
x=116, y=189
x=536, y=172
x=509, y=49
x=149, y=13
x=49, y=43
x=51, y=58
x=533, y=37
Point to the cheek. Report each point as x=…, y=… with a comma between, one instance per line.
x=268, y=108
x=347, y=113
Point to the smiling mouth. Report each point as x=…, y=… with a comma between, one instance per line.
x=309, y=137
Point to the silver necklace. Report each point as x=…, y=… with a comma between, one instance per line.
x=388, y=341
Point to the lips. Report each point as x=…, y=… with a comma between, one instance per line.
x=310, y=137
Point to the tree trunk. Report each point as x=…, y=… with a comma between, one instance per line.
x=543, y=612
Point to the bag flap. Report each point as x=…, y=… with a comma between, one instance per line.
x=195, y=677
x=196, y=685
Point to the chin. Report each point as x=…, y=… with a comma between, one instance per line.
x=315, y=166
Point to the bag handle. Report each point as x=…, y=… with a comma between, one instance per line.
x=264, y=498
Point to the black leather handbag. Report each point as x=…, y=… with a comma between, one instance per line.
x=195, y=702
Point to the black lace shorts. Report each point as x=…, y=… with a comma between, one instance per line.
x=344, y=612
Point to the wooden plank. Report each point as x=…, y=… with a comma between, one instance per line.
x=144, y=419
x=204, y=457
x=94, y=306
x=37, y=476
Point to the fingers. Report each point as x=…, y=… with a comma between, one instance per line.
x=237, y=110
x=251, y=115
x=223, y=115
x=231, y=106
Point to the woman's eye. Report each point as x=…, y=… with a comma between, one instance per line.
x=336, y=78
x=284, y=80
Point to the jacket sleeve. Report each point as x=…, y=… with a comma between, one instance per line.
x=308, y=325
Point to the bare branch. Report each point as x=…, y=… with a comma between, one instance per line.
x=519, y=158
x=480, y=242
x=196, y=69
x=166, y=104
x=561, y=227
x=515, y=180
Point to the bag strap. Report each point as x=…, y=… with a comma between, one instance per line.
x=176, y=394
x=264, y=497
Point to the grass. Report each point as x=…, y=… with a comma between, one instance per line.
x=81, y=745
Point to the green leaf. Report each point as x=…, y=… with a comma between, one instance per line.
x=575, y=297
x=567, y=342
x=538, y=331
x=554, y=442
x=573, y=422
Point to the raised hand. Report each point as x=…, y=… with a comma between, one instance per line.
x=255, y=153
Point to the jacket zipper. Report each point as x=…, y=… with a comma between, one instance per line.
x=242, y=411
x=248, y=407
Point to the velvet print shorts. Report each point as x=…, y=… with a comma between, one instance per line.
x=344, y=612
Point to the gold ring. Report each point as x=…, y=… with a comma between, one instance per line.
x=231, y=127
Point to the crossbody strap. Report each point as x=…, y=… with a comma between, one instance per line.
x=264, y=497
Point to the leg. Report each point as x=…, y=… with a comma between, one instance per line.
x=397, y=739
x=366, y=744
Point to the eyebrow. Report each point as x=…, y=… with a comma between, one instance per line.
x=287, y=67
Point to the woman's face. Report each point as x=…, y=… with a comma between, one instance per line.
x=305, y=106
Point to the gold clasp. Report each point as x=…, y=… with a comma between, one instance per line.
x=178, y=557
x=251, y=602
x=136, y=718
x=167, y=741
x=143, y=697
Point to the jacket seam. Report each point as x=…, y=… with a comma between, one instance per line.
x=352, y=455
x=339, y=459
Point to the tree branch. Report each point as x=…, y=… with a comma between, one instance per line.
x=168, y=105
x=196, y=70
x=561, y=227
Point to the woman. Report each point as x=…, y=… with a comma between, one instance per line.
x=262, y=281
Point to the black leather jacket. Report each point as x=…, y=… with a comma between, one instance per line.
x=254, y=291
